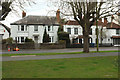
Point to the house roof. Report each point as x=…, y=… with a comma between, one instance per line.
x=113, y=25
x=110, y=25
x=7, y=28
x=115, y=36
x=35, y=20
x=72, y=22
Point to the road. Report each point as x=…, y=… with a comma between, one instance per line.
x=57, y=50
x=38, y=57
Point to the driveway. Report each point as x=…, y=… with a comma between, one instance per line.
x=57, y=50
x=34, y=57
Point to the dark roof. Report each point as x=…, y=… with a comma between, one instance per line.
x=113, y=25
x=7, y=28
x=35, y=20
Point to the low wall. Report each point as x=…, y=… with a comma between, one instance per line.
x=33, y=46
x=52, y=46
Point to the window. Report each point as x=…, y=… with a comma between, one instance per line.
x=26, y=28
x=35, y=28
x=75, y=30
x=90, y=32
x=22, y=39
x=18, y=39
x=48, y=28
x=69, y=30
x=15, y=39
x=18, y=28
x=22, y=27
x=117, y=31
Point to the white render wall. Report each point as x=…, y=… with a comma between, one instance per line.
x=72, y=35
x=30, y=33
x=108, y=33
x=5, y=34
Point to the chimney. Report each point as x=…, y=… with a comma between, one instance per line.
x=100, y=20
x=112, y=17
x=58, y=15
x=23, y=14
x=105, y=21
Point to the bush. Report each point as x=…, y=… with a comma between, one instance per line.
x=46, y=37
x=28, y=40
x=9, y=40
x=64, y=36
x=62, y=42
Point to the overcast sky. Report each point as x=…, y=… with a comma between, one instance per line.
x=41, y=7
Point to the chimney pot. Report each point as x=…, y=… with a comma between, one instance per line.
x=58, y=15
x=105, y=21
x=23, y=14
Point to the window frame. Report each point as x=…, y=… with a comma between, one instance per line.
x=75, y=30
x=22, y=39
x=49, y=28
x=22, y=28
x=36, y=28
x=69, y=29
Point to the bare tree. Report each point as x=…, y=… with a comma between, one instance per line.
x=13, y=5
x=87, y=13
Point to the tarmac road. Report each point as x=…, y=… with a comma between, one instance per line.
x=38, y=57
x=57, y=50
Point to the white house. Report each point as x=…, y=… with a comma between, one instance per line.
x=33, y=27
x=4, y=31
x=110, y=33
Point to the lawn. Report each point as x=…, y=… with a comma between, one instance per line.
x=91, y=67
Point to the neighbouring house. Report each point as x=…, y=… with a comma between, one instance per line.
x=33, y=27
x=109, y=33
x=4, y=31
x=113, y=32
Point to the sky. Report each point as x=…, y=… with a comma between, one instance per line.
x=41, y=7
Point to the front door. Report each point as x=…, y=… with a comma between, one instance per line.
x=36, y=39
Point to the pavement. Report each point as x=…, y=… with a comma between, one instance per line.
x=56, y=50
x=42, y=57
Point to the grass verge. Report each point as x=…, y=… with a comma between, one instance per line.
x=91, y=67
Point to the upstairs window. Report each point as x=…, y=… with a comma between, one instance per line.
x=117, y=31
x=26, y=27
x=75, y=30
x=69, y=30
x=18, y=28
x=22, y=27
x=35, y=28
x=48, y=28
x=90, y=32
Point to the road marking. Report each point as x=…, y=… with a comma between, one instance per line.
x=24, y=56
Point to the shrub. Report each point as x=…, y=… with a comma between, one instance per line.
x=46, y=37
x=9, y=40
x=62, y=42
x=28, y=40
x=64, y=36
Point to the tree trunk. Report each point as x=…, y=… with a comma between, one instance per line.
x=86, y=41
